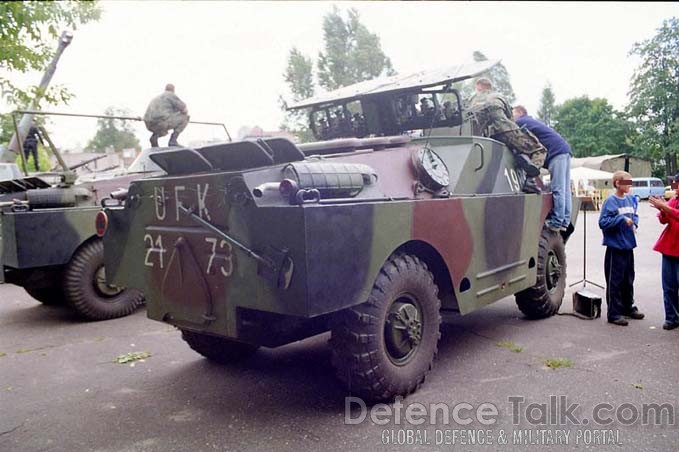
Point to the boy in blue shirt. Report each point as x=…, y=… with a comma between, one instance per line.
x=618, y=221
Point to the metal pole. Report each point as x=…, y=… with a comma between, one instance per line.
x=21, y=145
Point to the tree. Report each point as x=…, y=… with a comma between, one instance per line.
x=299, y=77
x=116, y=134
x=498, y=75
x=654, y=93
x=547, y=106
x=593, y=127
x=28, y=31
x=352, y=54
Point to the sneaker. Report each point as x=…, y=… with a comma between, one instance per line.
x=636, y=315
x=619, y=321
x=670, y=325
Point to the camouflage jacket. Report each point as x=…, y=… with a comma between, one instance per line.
x=163, y=106
x=491, y=113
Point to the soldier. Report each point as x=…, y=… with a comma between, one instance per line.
x=493, y=116
x=31, y=145
x=166, y=112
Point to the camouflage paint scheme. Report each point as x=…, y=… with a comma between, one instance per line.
x=473, y=239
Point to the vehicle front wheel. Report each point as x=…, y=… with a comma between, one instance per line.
x=218, y=349
x=88, y=292
x=385, y=347
x=545, y=297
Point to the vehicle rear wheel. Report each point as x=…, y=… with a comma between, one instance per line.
x=386, y=346
x=545, y=297
x=86, y=288
x=218, y=349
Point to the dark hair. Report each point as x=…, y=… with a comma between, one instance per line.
x=675, y=178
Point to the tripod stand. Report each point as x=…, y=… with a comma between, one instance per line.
x=584, y=279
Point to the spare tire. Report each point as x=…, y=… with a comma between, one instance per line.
x=86, y=288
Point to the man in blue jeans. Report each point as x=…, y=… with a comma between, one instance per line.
x=559, y=164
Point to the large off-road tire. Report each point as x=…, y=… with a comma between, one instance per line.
x=52, y=295
x=386, y=346
x=218, y=349
x=545, y=297
x=86, y=289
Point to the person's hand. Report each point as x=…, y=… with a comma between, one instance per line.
x=657, y=202
x=629, y=222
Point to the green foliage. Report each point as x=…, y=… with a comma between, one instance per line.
x=510, y=346
x=28, y=31
x=593, y=127
x=547, y=107
x=498, y=75
x=299, y=77
x=352, y=54
x=43, y=159
x=557, y=363
x=654, y=93
x=131, y=357
x=115, y=134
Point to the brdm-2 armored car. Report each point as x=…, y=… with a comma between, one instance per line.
x=376, y=237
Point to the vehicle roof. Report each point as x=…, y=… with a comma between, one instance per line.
x=421, y=79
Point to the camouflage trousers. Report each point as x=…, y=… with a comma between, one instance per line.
x=176, y=122
x=523, y=142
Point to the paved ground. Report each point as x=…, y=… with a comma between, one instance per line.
x=61, y=391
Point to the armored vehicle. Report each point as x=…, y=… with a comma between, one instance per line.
x=48, y=242
x=395, y=220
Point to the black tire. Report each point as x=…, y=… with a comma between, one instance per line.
x=376, y=351
x=545, y=297
x=218, y=349
x=86, y=290
x=51, y=295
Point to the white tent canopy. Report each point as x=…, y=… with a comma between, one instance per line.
x=583, y=177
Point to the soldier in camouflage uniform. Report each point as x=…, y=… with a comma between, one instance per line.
x=166, y=112
x=492, y=117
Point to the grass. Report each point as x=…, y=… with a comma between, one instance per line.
x=556, y=363
x=511, y=346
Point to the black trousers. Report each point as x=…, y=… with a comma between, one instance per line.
x=619, y=273
x=31, y=149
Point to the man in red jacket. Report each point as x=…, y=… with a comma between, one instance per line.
x=668, y=246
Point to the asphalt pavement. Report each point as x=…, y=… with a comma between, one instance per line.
x=616, y=389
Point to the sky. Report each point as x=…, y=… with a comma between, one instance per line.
x=227, y=59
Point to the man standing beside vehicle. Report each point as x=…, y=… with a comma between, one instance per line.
x=166, y=112
x=558, y=162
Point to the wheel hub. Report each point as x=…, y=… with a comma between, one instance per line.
x=553, y=269
x=403, y=330
x=102, y=287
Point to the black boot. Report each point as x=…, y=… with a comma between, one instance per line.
x=531, y=187
x=154, y=141
x=523, y=162
x=173, y=139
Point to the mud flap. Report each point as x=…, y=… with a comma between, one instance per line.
x=185, y=289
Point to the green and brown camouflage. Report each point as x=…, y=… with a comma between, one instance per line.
x=267, y=242
x=49, y=246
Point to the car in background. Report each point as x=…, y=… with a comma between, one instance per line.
x=644, y=187
x=669, y=193
x=9, y=171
